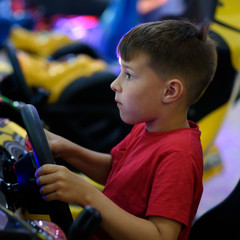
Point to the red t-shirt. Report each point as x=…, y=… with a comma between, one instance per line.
x=158, y=174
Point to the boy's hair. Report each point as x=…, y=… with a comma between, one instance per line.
x=176, y=49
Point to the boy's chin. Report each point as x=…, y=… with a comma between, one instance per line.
x=130, y=121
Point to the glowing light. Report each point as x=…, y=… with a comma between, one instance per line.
x=76, y=27
x=145, y=6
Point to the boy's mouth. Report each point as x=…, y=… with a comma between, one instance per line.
x=118, y=103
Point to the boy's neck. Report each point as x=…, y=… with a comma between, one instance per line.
x=157, y=128
x=168, y=121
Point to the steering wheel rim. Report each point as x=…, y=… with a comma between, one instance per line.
x=59, y=211
x=36, y=135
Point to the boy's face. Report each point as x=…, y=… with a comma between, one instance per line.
x=138, y=91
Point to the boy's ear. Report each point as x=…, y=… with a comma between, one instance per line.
x=173, y=90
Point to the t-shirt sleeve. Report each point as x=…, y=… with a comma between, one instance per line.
x=173, y=188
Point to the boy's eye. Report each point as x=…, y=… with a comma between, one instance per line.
x=129, y=76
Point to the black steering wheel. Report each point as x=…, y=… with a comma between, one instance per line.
x=59, y=211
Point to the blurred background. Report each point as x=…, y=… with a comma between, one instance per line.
x=61, y=57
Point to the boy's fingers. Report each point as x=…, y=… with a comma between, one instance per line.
x=51, y=197
x=45, y=169
x=46, y=179
x=47, y=193
x=51, y=192
x=46, y=189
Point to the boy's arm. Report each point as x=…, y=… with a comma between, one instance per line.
x=93, y=164
x=119, y=224
x=59, y=183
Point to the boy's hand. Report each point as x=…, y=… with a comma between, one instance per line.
x=59, y=183
x=54, y=141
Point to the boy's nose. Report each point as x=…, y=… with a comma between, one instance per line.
x=115, y=85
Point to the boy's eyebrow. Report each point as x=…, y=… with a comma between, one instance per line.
x=126, y=66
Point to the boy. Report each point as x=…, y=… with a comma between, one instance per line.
x=153, y=178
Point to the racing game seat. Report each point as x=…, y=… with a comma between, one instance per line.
x=221, y=222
